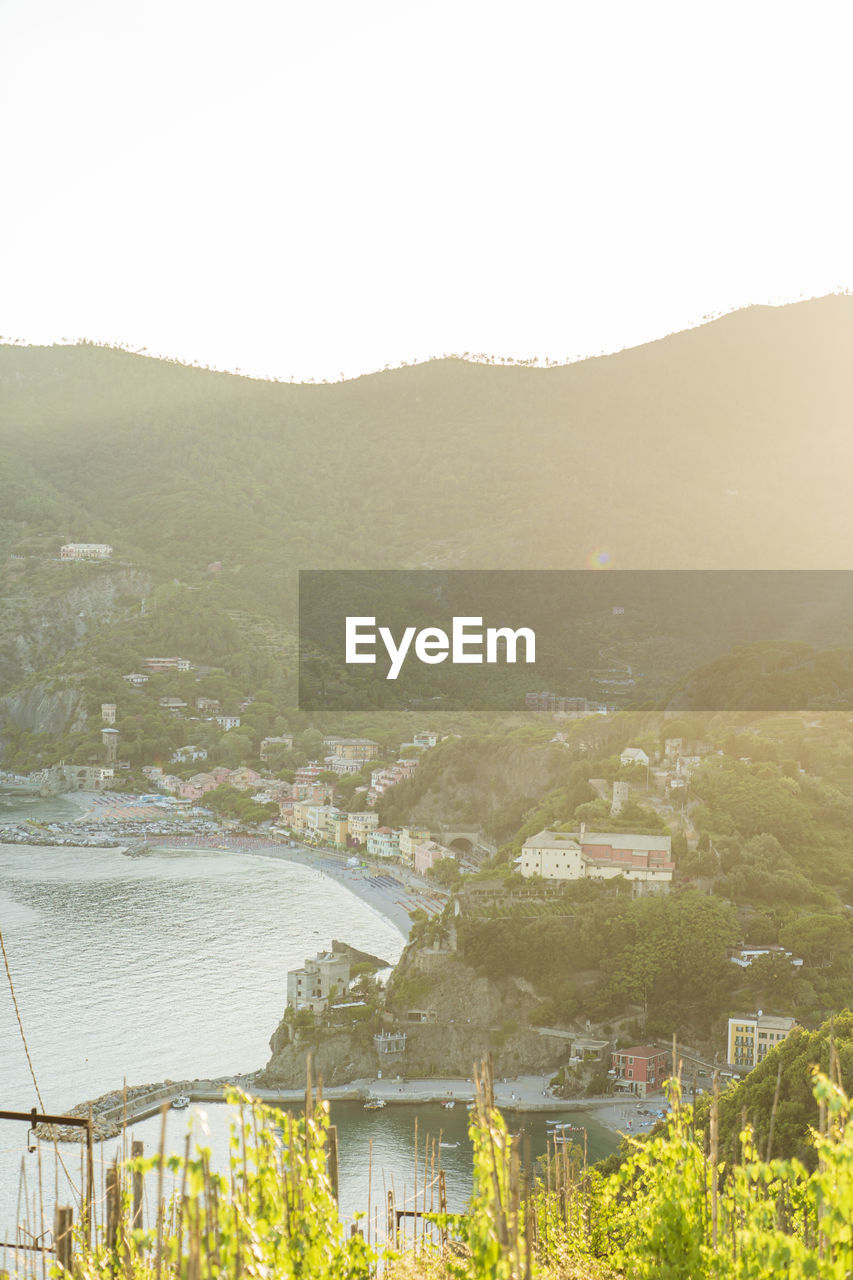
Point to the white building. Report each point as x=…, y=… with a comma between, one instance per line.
x=646, y=861
x=383, y=843
x=85, y=551
x=553, y=855
x=311, y=986
x=634, y=755
x=228, y=722
x=744, y=955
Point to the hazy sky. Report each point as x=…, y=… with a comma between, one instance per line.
x=310, y=187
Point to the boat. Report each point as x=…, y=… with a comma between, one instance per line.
x=448, y=1146
x=181, y=1102
x=374, y=1104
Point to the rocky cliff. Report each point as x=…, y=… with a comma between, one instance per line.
x=46, y=610
x=464, y=1016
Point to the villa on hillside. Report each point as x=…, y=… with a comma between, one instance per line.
x=646, y=861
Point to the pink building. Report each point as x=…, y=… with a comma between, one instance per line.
x=427, y=855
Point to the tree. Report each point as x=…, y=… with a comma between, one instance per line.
x=446, y=873
x=819, y=938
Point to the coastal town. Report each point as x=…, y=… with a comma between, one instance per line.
x=415, y=871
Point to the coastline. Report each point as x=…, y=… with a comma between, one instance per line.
x=392, y=891
x=389, y=890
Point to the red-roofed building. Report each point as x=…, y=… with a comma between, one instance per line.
x=641, y=1069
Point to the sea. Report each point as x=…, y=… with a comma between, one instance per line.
x=173, y=964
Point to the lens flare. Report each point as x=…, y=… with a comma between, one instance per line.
x=599, y=558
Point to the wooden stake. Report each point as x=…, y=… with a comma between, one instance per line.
x=137, y=1149
x=332, y=1158
x=62, y=1224
x=113, y=1206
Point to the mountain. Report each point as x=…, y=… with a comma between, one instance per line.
x=727, y=445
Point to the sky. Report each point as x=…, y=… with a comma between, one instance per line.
x=316, y=188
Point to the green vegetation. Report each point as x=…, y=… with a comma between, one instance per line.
x=663, y=956
x=233, y=803
x=676, y=1208
x=776, y=1097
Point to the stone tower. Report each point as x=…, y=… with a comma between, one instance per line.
x=109, y=737
x=621, y=791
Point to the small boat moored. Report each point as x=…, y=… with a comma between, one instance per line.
x=181, y=1102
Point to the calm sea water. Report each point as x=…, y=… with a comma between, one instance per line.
x=174, y=965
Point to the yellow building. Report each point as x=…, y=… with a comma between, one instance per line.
x=410, y=838
x=361, y=824
x=752, y=1036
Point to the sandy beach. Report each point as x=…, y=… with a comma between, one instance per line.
x=391, y=890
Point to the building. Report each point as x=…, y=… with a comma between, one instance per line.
x=641, y=1069
x=322, y=823
x=361, y=824
x=389, y=776
x=136, y=678
x=383, y=843
x=634, y=755
x=307, y=775
x=168, y=664
x=352, y=748
x=108, y=712
x=76, y=777
x=557, y=704
x=85, y=551
x=207, y=704
x=646, y=861
x=410, y=838
x=427, y=855
x=311, y=987
x=341, y=766
x=204, y=782
x=244, y=779
x=172, y=704
x=270, y=746
x=109, y=737
x=425, y=738
x=752, y=1036
x=187, y=755
x=390, y=1045
x=744, y=955
x=621, y=796
x=553, y=855
x=227, y=722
